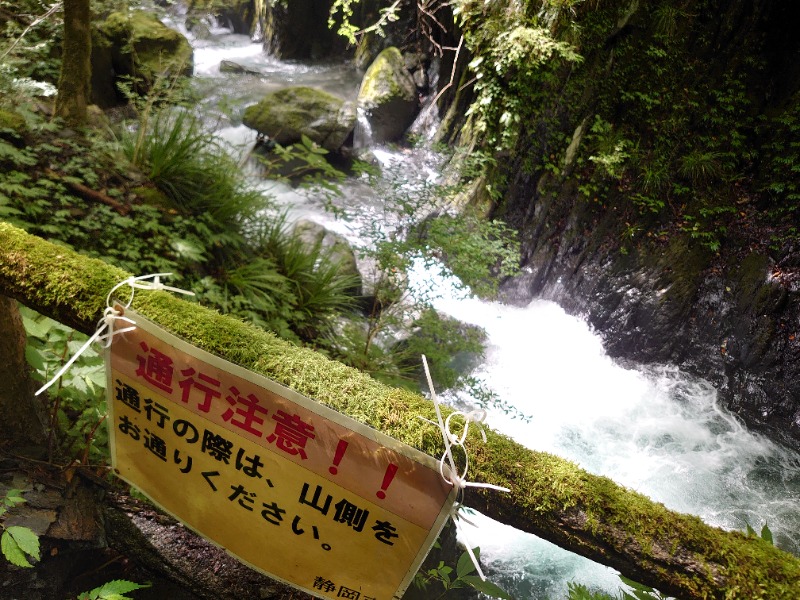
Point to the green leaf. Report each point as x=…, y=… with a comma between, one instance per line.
x=13, y=497
x=37, y=328
x=465, y=565
x=486, y=587
x=18, y=541
x=35, y=358
x=635, y=585
x=113, y=590
x=766, y=534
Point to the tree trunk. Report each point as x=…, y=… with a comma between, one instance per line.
x=76, y=69
x=550, y=497
x=21, y=422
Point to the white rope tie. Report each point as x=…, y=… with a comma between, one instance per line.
x=106, y=326
x=450, y=440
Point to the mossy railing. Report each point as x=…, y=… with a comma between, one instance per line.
x=550, y=497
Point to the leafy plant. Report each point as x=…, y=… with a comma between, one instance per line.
x=478, y=251
x=113, y=590
x=635, y=591
x=460, y=577
x=611, y=148
x=78, y=397
x=187, y=163
x=17, y=543
x=513, y=57
x=766, y=533
x=317, y=287
x=701, y=166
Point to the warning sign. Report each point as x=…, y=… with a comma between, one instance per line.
x=294, y=489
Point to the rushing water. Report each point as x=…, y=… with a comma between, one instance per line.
x=652, y=429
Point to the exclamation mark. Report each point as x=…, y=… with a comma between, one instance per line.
x=337, y=457
x=387, y=479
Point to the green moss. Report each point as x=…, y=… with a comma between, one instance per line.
x=682, y=266
x=286, y=114
x=12, y=121
x=291, y=108
x=145, y=47
x=152, y=196
x=381, y=82
x=549, y=496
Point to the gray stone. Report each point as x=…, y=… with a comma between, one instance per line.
x=228, y=66
x=288, y=114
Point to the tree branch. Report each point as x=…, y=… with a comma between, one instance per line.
x=550, y=497
x=89, y=194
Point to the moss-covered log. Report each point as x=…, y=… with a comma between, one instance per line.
x=550, y=497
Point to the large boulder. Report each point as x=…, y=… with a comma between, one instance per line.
x=143, y=48
x=388, y=97
x=288, y=114
x=245, y=17
x=298, y=30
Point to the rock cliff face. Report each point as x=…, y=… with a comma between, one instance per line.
x=735, y=325
x=687, y=253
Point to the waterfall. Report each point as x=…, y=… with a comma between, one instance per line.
x=362, y=136
x=653, y=429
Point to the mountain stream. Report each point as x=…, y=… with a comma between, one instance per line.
x=650, y=428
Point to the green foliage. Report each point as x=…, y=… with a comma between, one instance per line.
x=341, y=17
x=476, y=250
x=17, y=543
x=20, y=545
x=510, y=65
x=766, y=533
x=449, y=579
x=206, y=232
x=780, y=180
x=635, y=591
x=445, y=342
x=30, y=33
x=305, y=164
x=113, y=590
x=185, y=162
x=461, y=247
x=578, y=591
x=317, y=288
x=78, y=405
x=610, y=148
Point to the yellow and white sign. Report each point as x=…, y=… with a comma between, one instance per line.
x=294, y=489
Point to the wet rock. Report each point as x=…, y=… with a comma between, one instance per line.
x=142, y=47
x=288, y=114
x=388, y=97
x=228, y=66
x=736, y=326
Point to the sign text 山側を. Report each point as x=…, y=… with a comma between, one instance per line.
x=291, y=487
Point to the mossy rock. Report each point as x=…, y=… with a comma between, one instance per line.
x=152, y=196
x=388, y=96
x=12, y=126
x=144, y=48
x=288, y=114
